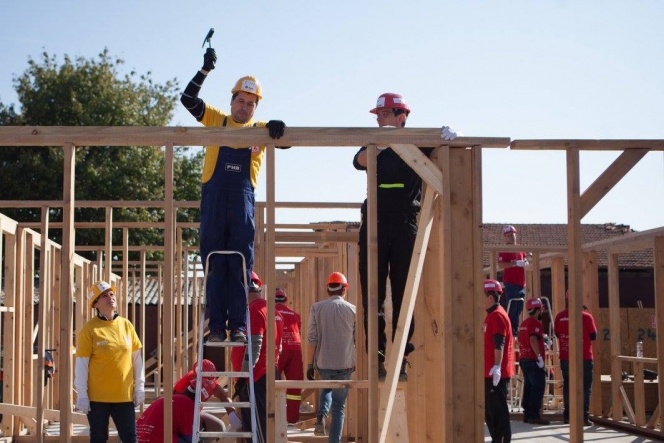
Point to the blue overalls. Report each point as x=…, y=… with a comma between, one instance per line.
x=227, y=224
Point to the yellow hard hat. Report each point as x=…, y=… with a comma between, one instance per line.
x=249, y=84
x=97, y=289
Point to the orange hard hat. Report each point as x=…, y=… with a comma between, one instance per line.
x=337, y=279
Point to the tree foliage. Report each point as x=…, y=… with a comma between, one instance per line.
x=93, y=92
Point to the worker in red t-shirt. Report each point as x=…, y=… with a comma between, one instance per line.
x=531, y=354
x=209, y=387
x=589, y=333
x=150, y=425
x=290, y=360
x=498, y=364
x=240, y=359
x=513, y=264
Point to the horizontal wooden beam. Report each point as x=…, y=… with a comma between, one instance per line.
x=160, y=204
x=643, y=239
x=588, y=145
x=196, y=136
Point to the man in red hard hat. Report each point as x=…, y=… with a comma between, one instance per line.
x=399, y=191
x=290, y=360
x=498, y=364
x=531, y=362
x=230, y=175
x=513, y=264
x=331, y=337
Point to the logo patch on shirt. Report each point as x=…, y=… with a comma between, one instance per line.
x=232, y=167
x=102, y=343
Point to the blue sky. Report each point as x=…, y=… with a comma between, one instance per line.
x=518, y=69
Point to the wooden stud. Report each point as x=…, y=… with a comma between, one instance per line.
x=614, y=327
x=575, y=287
x=169, y=252
x=658, y=254
x=371, y=222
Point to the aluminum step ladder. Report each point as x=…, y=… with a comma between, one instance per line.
x=197, y=433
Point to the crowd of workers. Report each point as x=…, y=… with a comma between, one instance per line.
x=109, y=373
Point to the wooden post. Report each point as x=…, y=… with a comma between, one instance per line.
x=575, y=302
x=591, y=300
x=41, y=340
x=614, y=327
x=125, y=275
x=268, y=285
x=169, y=252
x=106, y=272
x=659, y=309
x=371, y=221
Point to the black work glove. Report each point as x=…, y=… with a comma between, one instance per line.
x=276, y=128
x=240, y=386
x=310, y=372
x=209, y=59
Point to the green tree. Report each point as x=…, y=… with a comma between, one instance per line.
x=93, y=92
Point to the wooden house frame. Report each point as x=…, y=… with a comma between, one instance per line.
x=446, y=397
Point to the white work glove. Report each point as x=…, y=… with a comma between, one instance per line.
x=83, y=404
x=449, y=133
x=139, y=396
x=495, y=372
x=234, y=421
x=521, y=263
x=540, y=362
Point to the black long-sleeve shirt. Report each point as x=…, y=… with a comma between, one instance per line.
x=399, y=187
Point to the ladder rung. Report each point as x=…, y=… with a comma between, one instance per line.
x=230, y=434
x=228, y=404
x=224, y=344
x=233, y=374
x=216, y=374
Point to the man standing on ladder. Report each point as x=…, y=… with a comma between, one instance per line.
x=513, y=264
x=290, y=360
x=399, y=191
x=230, y=175
x=240, y=360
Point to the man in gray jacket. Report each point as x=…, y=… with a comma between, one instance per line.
x=331, y=337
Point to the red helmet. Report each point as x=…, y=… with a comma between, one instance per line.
x=208, y=384
x=280, y=295
x=256, y=284
x=492, y=286
x=390, y=100
x=337, y=279
x=533, y=303
x=509, y=229
x=208, y=366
